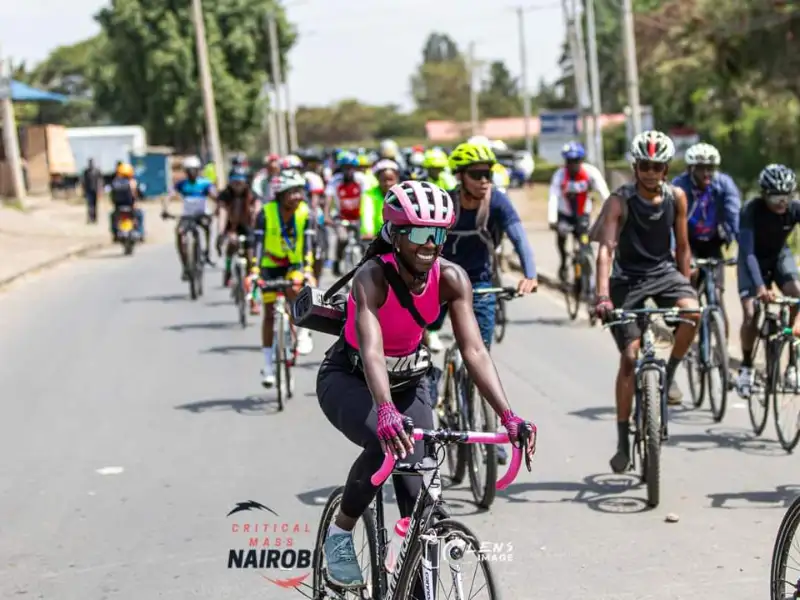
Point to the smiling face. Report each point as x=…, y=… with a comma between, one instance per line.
x=420, y=256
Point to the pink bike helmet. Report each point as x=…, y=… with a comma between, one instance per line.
x=418, y=204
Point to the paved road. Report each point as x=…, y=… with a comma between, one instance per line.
x=108, y=365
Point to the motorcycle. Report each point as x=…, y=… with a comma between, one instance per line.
x=127, y=233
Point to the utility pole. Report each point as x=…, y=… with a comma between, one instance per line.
x=594, y=79
x=10, y=139
x=212, y=130
x=291, y=115
x=631, y=68
x=526, y=98
x=575, y=32
x=272, y=27
x=473, y=89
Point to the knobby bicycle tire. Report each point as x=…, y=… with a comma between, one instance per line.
x=483, y=489
x=780, y=552
x=787, y=440
x=651, y=465
x=329, y=511
x=718, y=354
x=279, y=358
x=759, y=395
x=411, y=569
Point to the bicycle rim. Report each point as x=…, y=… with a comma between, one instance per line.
x=500, y=321
x=451, y=415
x=449, y=530
x=651, y=465
x=758, y=403
x=695, y=375
x=779, y=578
x=787, y=428
x=482, y=457
x=718, y=354
x=279, y=357
x=318, y=579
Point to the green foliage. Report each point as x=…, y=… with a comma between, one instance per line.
x=500, y=95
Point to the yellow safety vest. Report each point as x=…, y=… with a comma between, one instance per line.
x=277, y=252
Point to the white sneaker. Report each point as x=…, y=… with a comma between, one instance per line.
x=744, y=383
x=434, y=343
x=267, y=377
x=790, y=378
x=305, y=345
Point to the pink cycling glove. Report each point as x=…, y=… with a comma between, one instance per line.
x=390, y=422
x=512, y=423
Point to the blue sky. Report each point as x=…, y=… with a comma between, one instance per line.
x=367, y=50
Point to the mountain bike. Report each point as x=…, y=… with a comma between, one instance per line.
x=649, y=424
x=431, y=535
x=189, y=228
x=240, y=291
x=775, y=339
x=710, y=353
x=284, y=339
x=782, y=584
x=462, y=407
x=582, y=285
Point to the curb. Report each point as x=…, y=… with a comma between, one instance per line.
x=52, y=262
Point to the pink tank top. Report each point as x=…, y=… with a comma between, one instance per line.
x=401, y=333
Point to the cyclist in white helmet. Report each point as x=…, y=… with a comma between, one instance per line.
x=635, y=229
x=713, y=209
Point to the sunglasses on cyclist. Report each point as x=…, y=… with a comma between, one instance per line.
x=646, y=166
x=421, y=235
x=479, y=174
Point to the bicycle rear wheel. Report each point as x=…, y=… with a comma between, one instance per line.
x=758, y=403
x=651, y=462
x=717, y=364
x=482, y=458
x=453, y=536
x=787, y=425
x=319, y=578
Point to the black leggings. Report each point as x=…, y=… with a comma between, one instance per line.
x=347, y=403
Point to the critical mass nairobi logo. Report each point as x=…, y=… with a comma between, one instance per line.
x=265, y=541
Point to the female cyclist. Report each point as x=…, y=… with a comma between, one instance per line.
x=374, y=375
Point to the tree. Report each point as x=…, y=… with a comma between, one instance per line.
x=155, y=81
x=441, y=86
x=500, y=95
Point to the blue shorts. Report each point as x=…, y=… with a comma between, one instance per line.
x=484, y=306
x=781, y=272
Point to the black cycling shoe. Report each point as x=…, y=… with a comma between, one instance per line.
x=620, y=462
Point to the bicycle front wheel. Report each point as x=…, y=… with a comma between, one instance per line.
x=482, y=458
x=453, y=416
x=758, y=402
x=188, y=247
x=717, y=368
x=588, y=291
x=279, y=346
x=500, y=321
x=198, y=264
x=572, y=290
x=651, y=461
x=461, y=561
x=785, y=396
x=241, y=295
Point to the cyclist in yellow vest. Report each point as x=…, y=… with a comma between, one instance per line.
x=436, y=164
x=283, y=251
x=364, y=164
x=388, y=174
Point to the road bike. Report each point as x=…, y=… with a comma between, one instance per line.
x=500, y=314
x=709, y=354
x=462, y=407
x=784, y=580
x=431, y=534
x=353, y=249
x=582, y=286
x=284, y=339
x=189, y=228
x=650, y=418
x=241, y=291
x=771, y=382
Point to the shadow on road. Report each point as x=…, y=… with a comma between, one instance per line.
x=158, y=298
x=251, y=405
x=715, y=438
x=551, y=321
x=230, y=349
x=595, y=413
x=228, y=302
x=686, y=415
x=602, y=492
x=215, y=325
x=782, y=497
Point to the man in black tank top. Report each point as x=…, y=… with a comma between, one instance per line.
x=635, y=231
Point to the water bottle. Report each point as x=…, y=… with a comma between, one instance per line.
x=393, y=551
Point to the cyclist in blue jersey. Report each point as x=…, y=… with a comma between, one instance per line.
x=195, y=192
